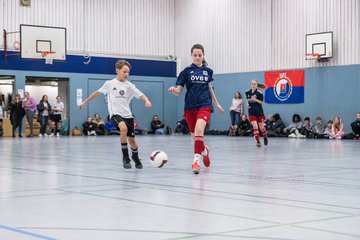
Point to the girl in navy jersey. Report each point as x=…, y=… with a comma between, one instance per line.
x=255, y=99
x=198, y=102
x=119, y=94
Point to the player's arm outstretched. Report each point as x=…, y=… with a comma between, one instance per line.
x=91, y=97
x=176, y=90
x=215, y=99
x=146, y=100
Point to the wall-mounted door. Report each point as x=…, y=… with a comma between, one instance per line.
x=155, y=92
x=99, y=104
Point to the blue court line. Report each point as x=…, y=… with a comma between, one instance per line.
x=27, y=233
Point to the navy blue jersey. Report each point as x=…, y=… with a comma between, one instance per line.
x=197, y=81
x=255, y=108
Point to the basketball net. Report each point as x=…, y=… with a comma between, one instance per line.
x=48, y=56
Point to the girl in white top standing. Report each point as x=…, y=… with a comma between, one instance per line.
x=119, y=94
x=236, y=110
x=57, y=110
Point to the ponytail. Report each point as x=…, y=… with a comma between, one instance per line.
x=261, y=86
x=204, y=62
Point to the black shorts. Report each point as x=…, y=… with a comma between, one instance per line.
x=55, y=117
x=116, y=119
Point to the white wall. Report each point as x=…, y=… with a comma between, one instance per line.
x=238, y=35
x=235, y=33
x=255, y=35
x=143, y=28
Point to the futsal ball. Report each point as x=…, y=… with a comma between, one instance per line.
x=158, y=158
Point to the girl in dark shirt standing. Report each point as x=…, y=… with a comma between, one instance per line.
x=255, y=99
x=17, y=113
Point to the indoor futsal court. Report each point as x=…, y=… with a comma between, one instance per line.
x=97, y=99
x=72, y=190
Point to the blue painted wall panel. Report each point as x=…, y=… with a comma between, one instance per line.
x=154, y=90
x=329, y=92
x=97, y=65
x=99, y=68
x=97, y=105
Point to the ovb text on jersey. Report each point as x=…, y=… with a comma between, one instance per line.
x=199, y=78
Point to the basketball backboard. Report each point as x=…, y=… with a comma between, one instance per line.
x=35, y=40
x=320, y=44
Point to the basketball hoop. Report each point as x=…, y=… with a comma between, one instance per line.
x=48, y=56
x=313, y=56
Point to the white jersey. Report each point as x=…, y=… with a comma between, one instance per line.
x=119, y=95
x=58, y=106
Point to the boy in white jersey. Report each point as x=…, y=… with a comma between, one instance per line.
x=119, y=94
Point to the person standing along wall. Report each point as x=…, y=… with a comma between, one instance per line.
x=57, y=110
x=29, y=105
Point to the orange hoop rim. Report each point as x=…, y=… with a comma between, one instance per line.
x=44, y=54
x=316, y=55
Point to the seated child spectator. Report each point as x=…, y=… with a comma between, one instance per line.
x=276, y=127
x=157, y=126
x=355, y=127
x=89, y=127
x=307, y=130
x=182, y=127
x=245, y=127
x=100, y=124
x=328, y=128
x=319, y=128
x=293, y=129
x=337, y=130
x=269, y=122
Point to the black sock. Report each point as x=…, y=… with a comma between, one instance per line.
x=124, y=148
x=135, y=153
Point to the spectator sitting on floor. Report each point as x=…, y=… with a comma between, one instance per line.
x=181, y=127
x=269, y=122
x=157, y=126
x=337, y=130
x=355, y=127
x=319, y=128
x=328, y=128
x=293, y=129
x=245, y=127
x=307, y=130
x=89, y=127
x=277, y=126
x=100, y=124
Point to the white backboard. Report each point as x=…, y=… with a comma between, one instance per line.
x=34, y=39
x=319, y=43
